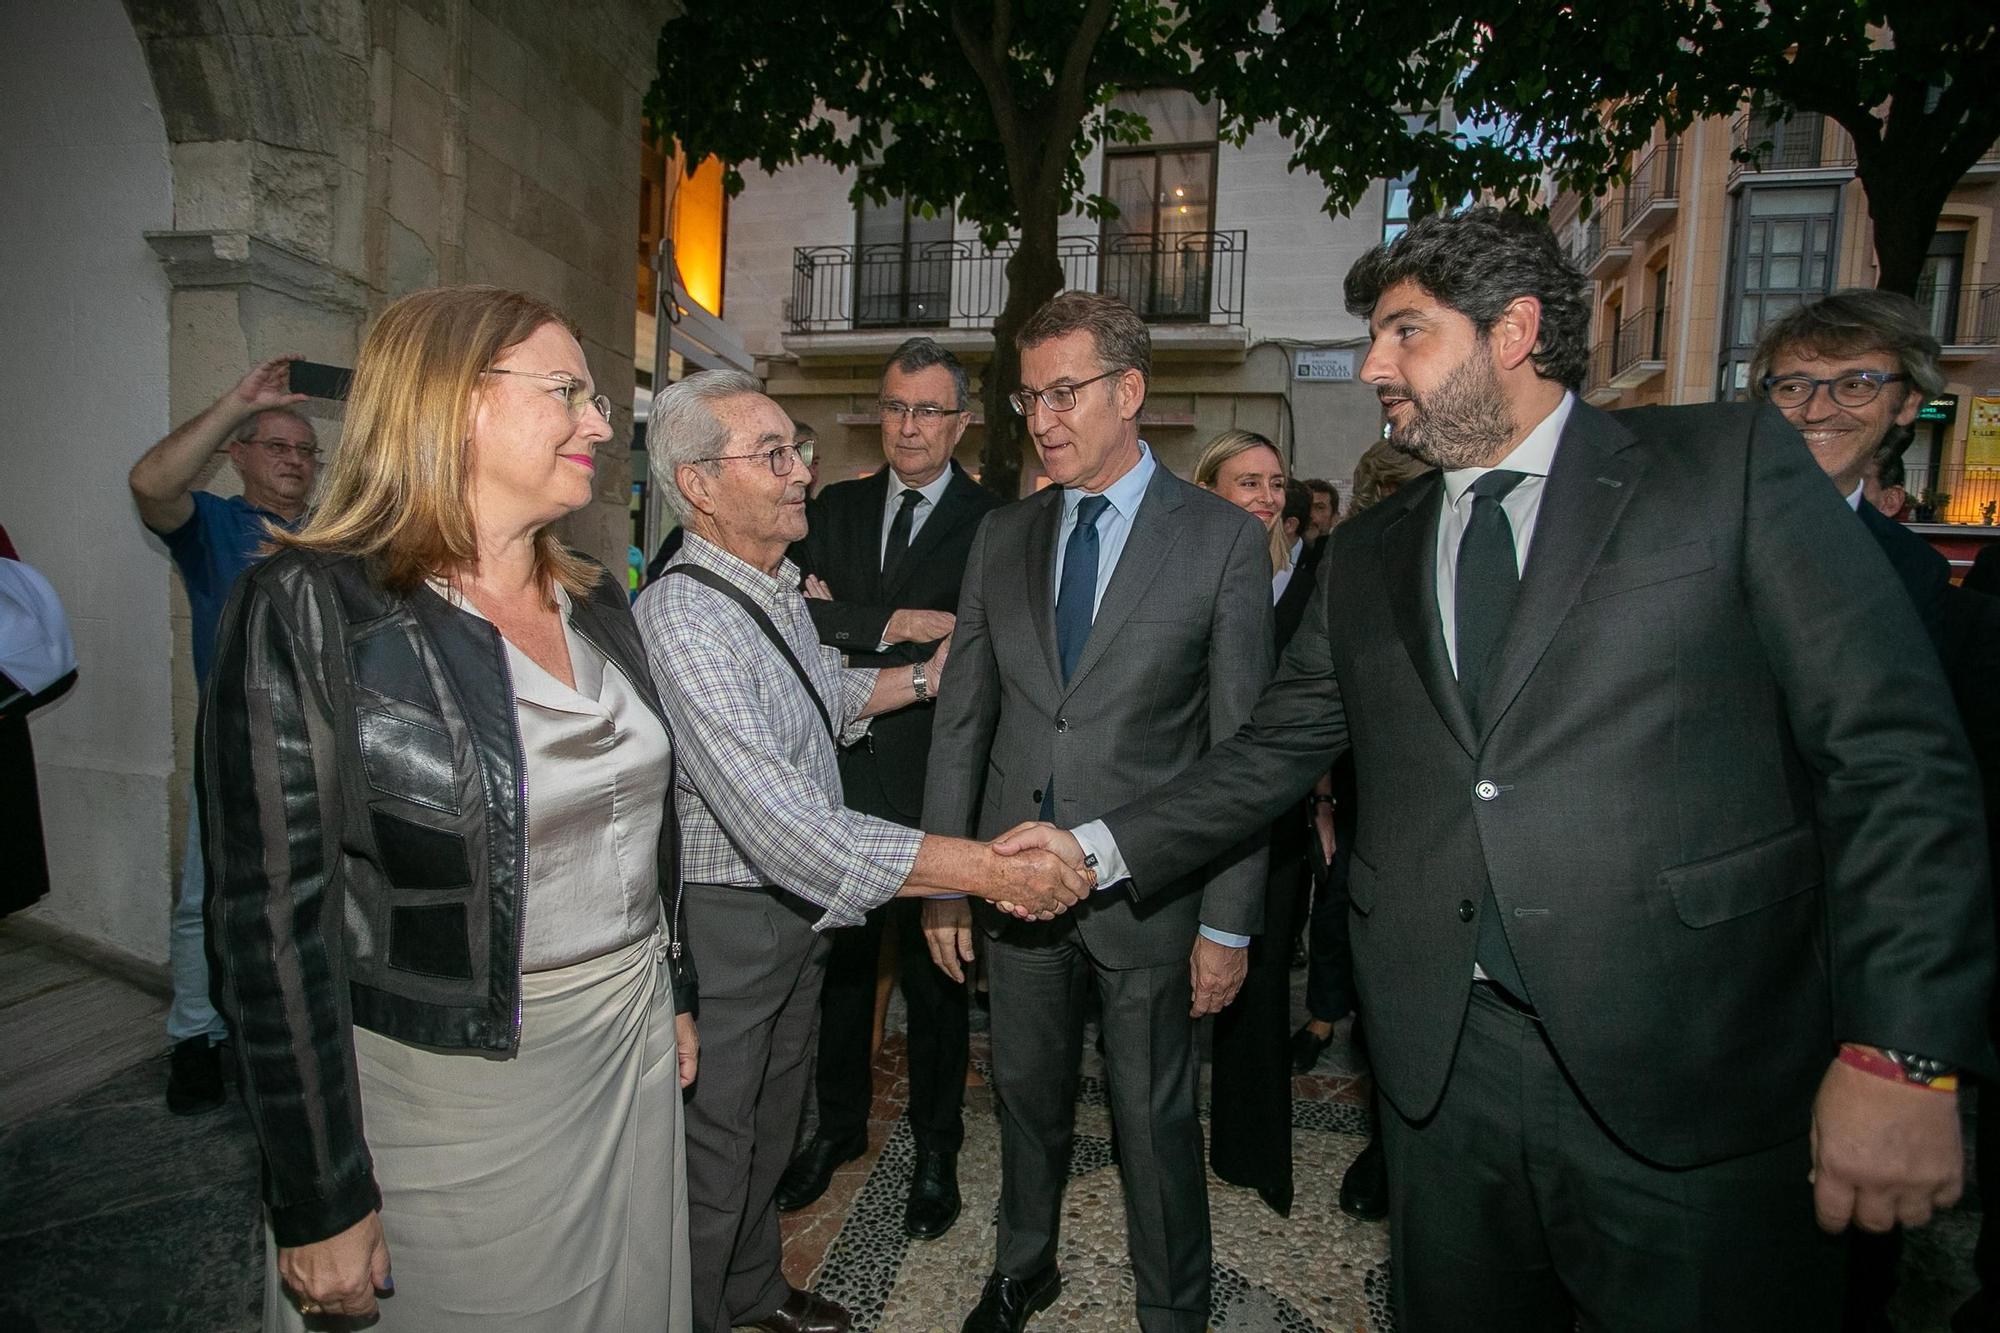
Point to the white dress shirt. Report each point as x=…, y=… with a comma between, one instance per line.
x=1533, y=457
x=932, y=491
x=1283, y=578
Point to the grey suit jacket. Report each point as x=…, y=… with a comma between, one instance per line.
x=1177, y=656
x=1727, y=811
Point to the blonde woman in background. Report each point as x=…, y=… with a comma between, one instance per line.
x=436, y=794
x=1250, y=1113
x=1245, y=469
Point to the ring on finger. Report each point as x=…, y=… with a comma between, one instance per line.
x=309, y=1307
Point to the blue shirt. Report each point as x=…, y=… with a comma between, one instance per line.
x=221, y=539
x=1114, y=525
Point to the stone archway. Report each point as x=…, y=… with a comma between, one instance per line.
x=83, y=367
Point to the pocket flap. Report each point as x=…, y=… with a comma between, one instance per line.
x=1362, y=883
x=1739, y=882
x=1642, y=571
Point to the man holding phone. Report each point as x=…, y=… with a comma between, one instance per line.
x=212, y=539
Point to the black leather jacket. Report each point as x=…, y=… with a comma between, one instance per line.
x=359, y=771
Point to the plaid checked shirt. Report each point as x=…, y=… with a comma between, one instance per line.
x=759, y=794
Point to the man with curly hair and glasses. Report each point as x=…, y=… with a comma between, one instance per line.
x=1850, y=371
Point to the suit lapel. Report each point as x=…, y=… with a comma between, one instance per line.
x=865, y=513
x=1041, y=575
x=1590, y=483
x=1153, y=535
x=1409, y=559
x=951, y=507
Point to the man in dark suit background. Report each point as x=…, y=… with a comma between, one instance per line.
x=888, y=553
x=1669, y=886
x=1111, y=628
x=1850, y=371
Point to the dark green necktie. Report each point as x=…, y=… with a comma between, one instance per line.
x=1483, y=601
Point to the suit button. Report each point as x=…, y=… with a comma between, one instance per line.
x=1038, y=796
x=1486, y=789
x=1466, y=911
x=1062, y=724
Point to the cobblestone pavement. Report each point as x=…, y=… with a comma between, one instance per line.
x=115, y=1215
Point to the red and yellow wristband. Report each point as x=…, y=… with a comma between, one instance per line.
x=1870, y=1060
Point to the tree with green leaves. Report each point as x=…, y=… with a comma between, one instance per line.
x=988, y=109
x=1573, y=89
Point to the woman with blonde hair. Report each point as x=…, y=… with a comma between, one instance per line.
x=1245, y=469
x=436, y=791
x=1250, y=1113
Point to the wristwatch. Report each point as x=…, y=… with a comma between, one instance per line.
x=1920, y=1069
x=920, y=681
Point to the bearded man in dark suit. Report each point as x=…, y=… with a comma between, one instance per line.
x=1669, y=894
x=884, y=556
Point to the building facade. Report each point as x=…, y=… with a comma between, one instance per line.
x=1228, y=255
x=1699, y=251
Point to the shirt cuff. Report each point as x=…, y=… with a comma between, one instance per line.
x=1097, y=842
x=1224, y=937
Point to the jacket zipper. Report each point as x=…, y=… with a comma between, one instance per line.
x=520, y=836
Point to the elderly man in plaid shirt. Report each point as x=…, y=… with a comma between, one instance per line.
x=769, y=857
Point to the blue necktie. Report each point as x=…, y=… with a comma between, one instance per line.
x=1076, y=598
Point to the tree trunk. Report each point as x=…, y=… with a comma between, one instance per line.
x=1034, y=274
x=1904, y=208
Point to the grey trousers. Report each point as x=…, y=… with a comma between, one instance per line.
x=760, y=965
x=1152, y=1067
x=1512, y=1210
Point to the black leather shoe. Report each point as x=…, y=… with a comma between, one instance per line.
x=1277, y=1200
x=1364, y=1190
x=806, y=1312
x=1307, y=1047
x=194, y=1076
x=1007, y=1302
x=808, y=1174
x=933, y=1204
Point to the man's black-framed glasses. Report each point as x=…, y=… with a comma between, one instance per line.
x=1057, y=397
x=781, y=460
x=924, y=414
x=1857, y=388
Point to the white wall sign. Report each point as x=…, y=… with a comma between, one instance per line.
x=1332, y=365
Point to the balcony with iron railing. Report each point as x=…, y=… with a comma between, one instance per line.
x=1595, y=244
x=1188, y=279
x=1652, y=194
x=1967, y=496
x=1807, y=144
x=1964, y=320
x=1634, y=353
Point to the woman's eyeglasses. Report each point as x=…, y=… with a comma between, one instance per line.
x=576, y=394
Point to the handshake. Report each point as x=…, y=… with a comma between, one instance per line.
x=1034, y=871
x=1041, y=871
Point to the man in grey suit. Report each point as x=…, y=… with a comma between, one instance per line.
x=1668, y=891
x=1110, y=629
